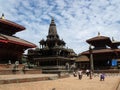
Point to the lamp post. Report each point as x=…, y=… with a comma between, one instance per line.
x=91, y=61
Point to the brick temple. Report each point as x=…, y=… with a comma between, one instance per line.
x=106, y=54
x=11, y=47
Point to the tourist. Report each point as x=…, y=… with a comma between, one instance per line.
x=74, y=74
x=80, y=74
x=102, y=77
x=87, y=72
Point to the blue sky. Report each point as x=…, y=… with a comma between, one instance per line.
x=76, y=20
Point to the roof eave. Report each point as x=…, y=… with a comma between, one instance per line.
x=10, y=23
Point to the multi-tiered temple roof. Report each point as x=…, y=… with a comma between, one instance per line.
x=102, y=44
x=11, y=47
x=52, y=51
x=104, y=50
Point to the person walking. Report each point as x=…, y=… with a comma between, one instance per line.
x=74, y=74
x=80, y=74
x=87, y=72
x=102, y=77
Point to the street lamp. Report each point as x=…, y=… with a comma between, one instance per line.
x=91, y=61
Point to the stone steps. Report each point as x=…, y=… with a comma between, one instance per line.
x=28, y=79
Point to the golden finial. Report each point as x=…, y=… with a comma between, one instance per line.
x=98, y=33
x=2, y=17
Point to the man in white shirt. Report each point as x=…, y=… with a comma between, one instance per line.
x=80, y=74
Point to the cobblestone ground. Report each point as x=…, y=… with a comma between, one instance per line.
x=71, y=83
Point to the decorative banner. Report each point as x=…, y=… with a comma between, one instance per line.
x=114, y=62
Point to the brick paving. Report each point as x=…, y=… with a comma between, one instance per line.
x=71, y=83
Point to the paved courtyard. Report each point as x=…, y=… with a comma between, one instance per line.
x=71, y=83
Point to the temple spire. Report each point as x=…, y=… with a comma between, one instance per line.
x=52, y=29
x=52, y=22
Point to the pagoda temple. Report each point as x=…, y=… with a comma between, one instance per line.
x=105, y=52
x=52, y=52
x=11, y=47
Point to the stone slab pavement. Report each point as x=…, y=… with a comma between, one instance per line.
x=70, y=83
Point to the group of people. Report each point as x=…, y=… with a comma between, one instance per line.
x=88, y=72
x=80, y=73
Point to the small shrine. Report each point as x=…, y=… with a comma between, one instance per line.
x=52, y=55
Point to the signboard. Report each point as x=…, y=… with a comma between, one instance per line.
x=114, y=62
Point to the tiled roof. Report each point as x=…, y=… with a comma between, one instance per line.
x=82, y=58
x=99, y=51
x=116, y=43
x=16, y=40
x=98, y=38
x=11, y=24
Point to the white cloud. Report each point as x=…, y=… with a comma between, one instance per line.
x=76, y=20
